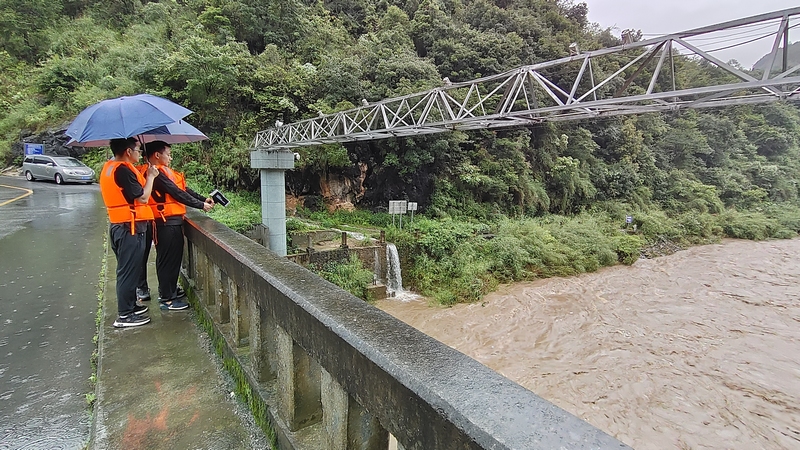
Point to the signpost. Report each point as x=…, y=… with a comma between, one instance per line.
x=398, y=207
x=412, y=206
x=34, y=149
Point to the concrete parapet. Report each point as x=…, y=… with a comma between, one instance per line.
x=300, y=238
x=338, y=373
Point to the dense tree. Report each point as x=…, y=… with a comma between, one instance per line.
x=23, y=24
x=240, y=65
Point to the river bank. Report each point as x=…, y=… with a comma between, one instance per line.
x=699, y=349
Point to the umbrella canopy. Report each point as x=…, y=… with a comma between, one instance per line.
x=179, y=132
x=123, y=117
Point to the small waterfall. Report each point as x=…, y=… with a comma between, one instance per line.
x=394, y=279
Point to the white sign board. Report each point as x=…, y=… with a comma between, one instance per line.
x=398, y=206
x=412, y=206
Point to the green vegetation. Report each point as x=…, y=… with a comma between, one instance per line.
x=454, y=260
x=495, y=206
x=98, y=323
x=242, y=212
x=351, y=276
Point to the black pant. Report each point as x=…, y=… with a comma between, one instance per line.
x=169, y=254
x=128, y=248
x=148, y=237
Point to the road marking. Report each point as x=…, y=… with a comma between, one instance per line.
x=27, y=193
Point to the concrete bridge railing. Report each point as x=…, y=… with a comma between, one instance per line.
x=338, y=373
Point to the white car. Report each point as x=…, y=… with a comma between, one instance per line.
x=60, y=169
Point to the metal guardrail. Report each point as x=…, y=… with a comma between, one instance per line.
x=560, y=90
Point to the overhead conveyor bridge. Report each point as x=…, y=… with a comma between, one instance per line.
x=569, y=88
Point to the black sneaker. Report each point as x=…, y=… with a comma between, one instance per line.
x=143, y=294
x=174, y=305
x=140, y=309
x=131, y=320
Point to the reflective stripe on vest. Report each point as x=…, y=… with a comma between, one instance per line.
x=119, y=210
x=163, y=204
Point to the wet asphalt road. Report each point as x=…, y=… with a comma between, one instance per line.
x=51, y=248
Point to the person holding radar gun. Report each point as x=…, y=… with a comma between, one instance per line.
x=126, y=192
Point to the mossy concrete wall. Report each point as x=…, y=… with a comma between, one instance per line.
x=338, y=373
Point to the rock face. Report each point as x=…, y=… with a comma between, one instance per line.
x=54, y=141
x=366, y=183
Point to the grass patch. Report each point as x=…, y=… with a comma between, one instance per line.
x=242, y=213
x=350, y=275
x=91, y=396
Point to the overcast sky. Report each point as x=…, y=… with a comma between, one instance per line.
x=656, y=18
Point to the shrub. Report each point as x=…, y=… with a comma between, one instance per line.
x=751, y=225
x=788, y=215
x=654, y=223
x=241, y=214
x=698, y=227
x=628, y=247
x=350, y=276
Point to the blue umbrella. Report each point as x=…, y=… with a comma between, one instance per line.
x=179, y=132
x=123, y=117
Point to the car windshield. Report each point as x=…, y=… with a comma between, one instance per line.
x=68, y=162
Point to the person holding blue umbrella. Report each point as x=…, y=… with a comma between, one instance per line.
x=125, y=193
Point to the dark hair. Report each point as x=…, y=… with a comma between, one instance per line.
x=120, y=145
x=154, y=147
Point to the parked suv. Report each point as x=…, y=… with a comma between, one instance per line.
x=60, y=169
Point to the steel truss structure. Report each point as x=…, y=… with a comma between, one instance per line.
x=570, y=88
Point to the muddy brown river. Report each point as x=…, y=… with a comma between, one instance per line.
x=697, y=350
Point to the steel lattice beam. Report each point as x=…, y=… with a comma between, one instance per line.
x=532, y=94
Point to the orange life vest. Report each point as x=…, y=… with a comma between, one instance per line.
x=119, y=210
x=163, y=204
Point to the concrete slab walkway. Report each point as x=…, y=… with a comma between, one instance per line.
x=159, y=387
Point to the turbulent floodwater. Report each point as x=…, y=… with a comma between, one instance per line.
x=700, y=349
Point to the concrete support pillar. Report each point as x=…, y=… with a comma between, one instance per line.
x=299, y=390
x=221, y=294
x=348, y=426
x=262, y=331
x=239, y=322
x=204, y=273
x=273, y=163
x=334, y=404
x=209, y=285
x=186, y=261
x=273, y=208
